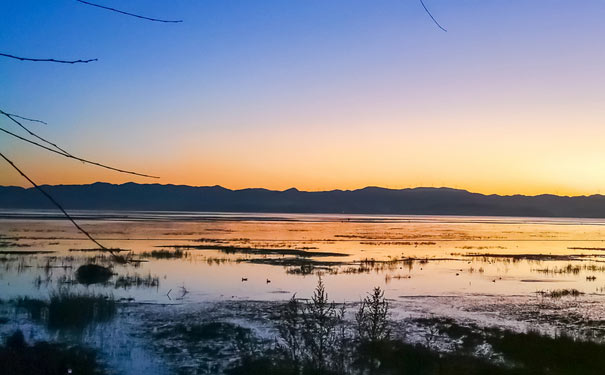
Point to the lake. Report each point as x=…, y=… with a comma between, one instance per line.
x=507, y=272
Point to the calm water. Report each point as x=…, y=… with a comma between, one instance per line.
x=407, y=255
x=234, y=267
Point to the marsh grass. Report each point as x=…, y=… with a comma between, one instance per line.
x=66, y=310
x=73, y=310
x=232, y=249
x=165, y=254
x=35, y=308
x=569, y=269
x=129, y=281
x=97, y=250
x=560, y=293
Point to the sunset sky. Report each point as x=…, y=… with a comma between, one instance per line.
x=312, y=94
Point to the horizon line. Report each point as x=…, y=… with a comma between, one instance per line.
x=317, y=191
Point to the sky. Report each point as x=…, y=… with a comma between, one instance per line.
x=312, y=94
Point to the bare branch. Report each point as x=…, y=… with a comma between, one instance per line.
x=75, y=157
x=433, y=18
x=32, y=133
x=48, y=60
x=128, y=14
x=50, y=198
x=23, y=118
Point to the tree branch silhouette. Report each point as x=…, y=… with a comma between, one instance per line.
x=128, y=14
x=55, y=148
x=430, y=15
x=50, y=198
x=23, y=118
x=48, y=60
x=32, y=133
x=75, y=157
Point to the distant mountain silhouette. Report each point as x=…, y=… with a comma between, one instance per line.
x=370, y=200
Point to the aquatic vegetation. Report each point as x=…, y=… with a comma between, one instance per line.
x=491, y=258
x=96, y=249
x=229, y=249
x=69, y=310
x=570, y=268
x=560, y=293
x=398, y=243
x=93, y=274
x=19, y=357
x=292, y=262
x=74, y=310
x=164, y=254
x=469, y=247
x=4, y=242
x=368, y=265
x=129, y=281
x=25, y=252
x=35, y=308
x=221, y=240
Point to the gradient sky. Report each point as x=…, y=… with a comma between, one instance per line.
x=313, y=94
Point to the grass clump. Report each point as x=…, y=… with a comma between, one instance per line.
x=164, y=254
x=67, y=310
x=560, y=293
x=35, y=308
x=129, y=281
x=73, y=310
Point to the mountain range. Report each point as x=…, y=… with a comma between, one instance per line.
x=369, y=200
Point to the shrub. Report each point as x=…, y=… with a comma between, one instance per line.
x=373, y=318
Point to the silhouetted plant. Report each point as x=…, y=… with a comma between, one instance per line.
x=314, y=338
x=290, y=331
x=373, y=318
x=320, y=321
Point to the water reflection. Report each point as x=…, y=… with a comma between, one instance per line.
x=209, y=254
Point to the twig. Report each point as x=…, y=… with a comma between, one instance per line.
x=433, y=18
x=25, y=118
x=128, y=14
x=48, y=60
x=32, y=133
x=55, y=203
x=75, y=157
